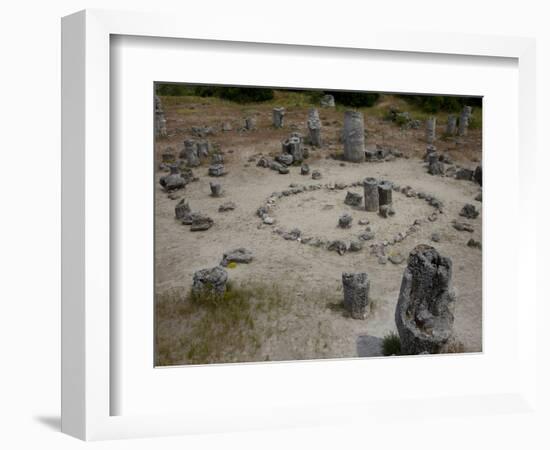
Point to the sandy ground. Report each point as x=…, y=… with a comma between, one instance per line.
x=312, y=328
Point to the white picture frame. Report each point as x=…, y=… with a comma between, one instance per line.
x=87, y=328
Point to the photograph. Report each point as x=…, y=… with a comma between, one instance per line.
x=297, y=224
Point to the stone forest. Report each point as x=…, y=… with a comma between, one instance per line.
x=299, y=227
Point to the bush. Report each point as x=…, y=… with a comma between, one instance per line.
x=355, y=99
x=391, y=344
x=435, y=103
x=245, y=95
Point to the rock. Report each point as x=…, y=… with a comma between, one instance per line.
x=226, y=126
x=284, y=170
x=210, y=282
x=201, y=223
x=464, y=174
x=263, y=162
x=356, y=294
x=182, y=209
x=274, y=165
x=250, y=123
x=203, y=149
x=366, y=235
x=363, y=222
x=345, y=220
x=268, y=220
x=314, y=127
x=473, y=243
x=173, y=181
x=190, y=153
x=215, y=189
x=462, y=226
x=384, y=193
x=436, y=168
x=285, y=158
x=370, y=189
x=216, y=170
x=424, y=312
x=217, y=158
x=293, y=146
x=478, y=175
x=188, y=217
x=479, y=197
x=278, y=117
x=355, y=246
x=327, y=101
x=382, y=260
x=386, y=211
x=469, y=211
x=304, y=169
x=292, y=235
x=202, y=131
x=353, y=199
x=354, y=136
x=316, y=175
x=227, y=206
x=396, y=258
x=436, y=237
x=239, y=255
x=338, y=246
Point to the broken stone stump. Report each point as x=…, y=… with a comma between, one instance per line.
x=216, y=170
x=354, y=136
x=384, y=193
x=203, y=149
x=190, y=153
x=430, y=130
x=217, y=158
x=345, y=220
x=478, y=175
x=353, y=199
x=209, y=283
x=316, y=175
x=293, y=146
x=314, y=127
x=173, y=181
x=451, y=125
x=304, y=169
x=356, y=294
x=215, y=189
x=424, y=313
x=327, y=101
x=227, y=206
x=250, y=123
x=201, y=222
x=338, y=246
x=278, y=117
x=464, y=174
x=182, y=209
x=386, y=211
x=239, y=255
x=464, y=120
x=436, y=167
x=370, y=188
x=285, y=158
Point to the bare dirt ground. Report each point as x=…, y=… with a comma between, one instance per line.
x=309, y=322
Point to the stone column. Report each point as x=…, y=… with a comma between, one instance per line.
x=356, y=294
x=354, y=137
x=451, y=125
x=293, y=146
x=215, y=189
x=203, y=148
x=370, y=187
x=278, y=117
x=430, y=130
x=190, y=153
x=464, y=120
x=314, y=127
x=384, y=193
x=424, y=312
x=160, y=119
x=250, y=123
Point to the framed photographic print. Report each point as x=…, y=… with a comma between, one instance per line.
x=276, y=243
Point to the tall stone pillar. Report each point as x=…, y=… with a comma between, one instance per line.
x=370, y=188
x=354, y=137
x=314, y=127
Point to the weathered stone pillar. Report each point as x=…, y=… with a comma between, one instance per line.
x=278, y=117
x=182, y=209
x=190, y=153
x=215, y=189
x=464, y=120
x=354, y=137
x=384, y=193
x=370, y=188
x=451, y=125
x=424, y=312
x=293, y=146
x=203, y=148
x=430, y=130
x=314, y=127
x=160, y=119
x=356, y=294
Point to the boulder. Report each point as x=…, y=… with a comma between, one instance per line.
x=201, y=222
x=353, y=199
x=216, y=170
x=182, y=209
x=338, y=246
x=469, y=211
x=209, y=283
x=239, y=255
x=345, y=220
x=227, y=206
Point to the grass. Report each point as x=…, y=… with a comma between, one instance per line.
x=391, y=344
x=202, y=329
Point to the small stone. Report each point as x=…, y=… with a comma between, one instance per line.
x=338, y=246
x=239, y=255
x=473, y=243
x=201, y=222
x=316, y=175
x=210, y=282
x=216, y=170
x=363, y=221
x=263, y=162
x=464, y=174
x=345, y=220
x=283, y=170
x=292, y=235
x=355, y=246
x=268, y=220
x=436, y=237
x=182, y=209
x=462, y=226
x=285, y=158
x=382, y=260
x=353, y=199
x=215, y=189
x=304, y=169
x=469, y=211
x=386, y=211
x=479, y=197
x=396, y=258
x=366, y=236
x=227, y=206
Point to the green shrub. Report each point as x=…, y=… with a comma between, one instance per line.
x=391, y=344
x=355, y=99
x=436, y=103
